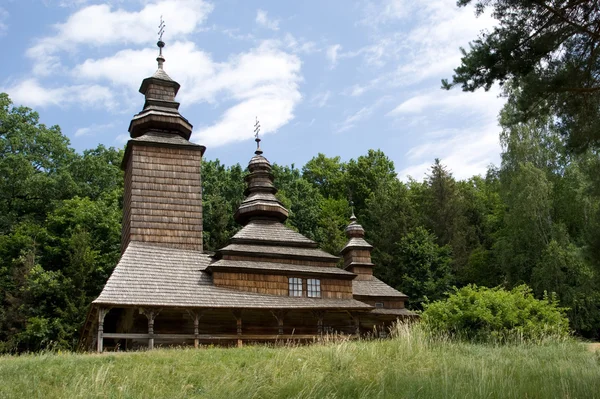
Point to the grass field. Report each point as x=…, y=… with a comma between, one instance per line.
x=409, y=366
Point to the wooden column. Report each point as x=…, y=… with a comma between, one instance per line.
x=319, y=314
x=238, y=318
x=196, y=315
x=102, y=312
x=356, y=322
x=151, y=315
x=279, y=316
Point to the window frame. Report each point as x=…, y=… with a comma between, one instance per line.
x=295, y=287
x=313, y=288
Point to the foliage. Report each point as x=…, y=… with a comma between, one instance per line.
x=222, y=192
x=533, y=220
x=425, y=271
x=497, y=315
x=548, y=51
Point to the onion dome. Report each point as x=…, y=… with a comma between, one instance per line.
x=260, y=201
x=354, y=229
x=161, y=111
x=355, y=232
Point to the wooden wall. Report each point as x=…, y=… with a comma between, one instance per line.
x=278, y=284
x=163, y=197
x=357, y=255
x=362, y=271
x=387, y=303
x=280, y=259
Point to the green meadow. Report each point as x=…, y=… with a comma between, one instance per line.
x=411, y=365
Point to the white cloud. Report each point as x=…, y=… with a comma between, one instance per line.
x=101, y=25
x=457, y=102
x=332, y=55
x=263, y=20
x=466, y=152
x=459, y=128
x=3, y=18
x=320, y=99
x=364, y=113
x=261, y=81
x=300, y=45
x=93, y=129
x=429, y=49
x=31, y=93
x=379, y=13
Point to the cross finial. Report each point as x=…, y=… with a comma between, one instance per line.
x=161, y=29
x=256, y=138
x=353, y=217
x=160, y=43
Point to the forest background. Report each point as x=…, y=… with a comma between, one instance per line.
x=534, y=219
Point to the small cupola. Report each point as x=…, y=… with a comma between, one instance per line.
x=161, y=111
x=357, y=252
x=260, y=201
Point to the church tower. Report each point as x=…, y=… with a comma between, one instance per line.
x=163, y=195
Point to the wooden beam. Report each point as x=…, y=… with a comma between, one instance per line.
x=151, y=315
x=319, y=314
x=257, y=337
x=238, y=321
x=279, y=316
x=102, y=312
x=356, y=319
x=196, y=315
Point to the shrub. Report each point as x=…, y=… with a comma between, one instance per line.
x=495, y=314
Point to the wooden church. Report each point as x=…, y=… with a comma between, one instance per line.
x=269, y=283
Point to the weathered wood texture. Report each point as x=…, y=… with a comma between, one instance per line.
x=280, y=259
x=160, y=92
x=357, y=256
x=278, y=284
x=387, y=304
x=163, y=197
x=361, y=270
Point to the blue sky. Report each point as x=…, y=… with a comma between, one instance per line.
x=336, y=77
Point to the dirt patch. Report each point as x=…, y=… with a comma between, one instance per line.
x=594, y=347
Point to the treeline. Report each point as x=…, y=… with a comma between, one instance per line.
x=534, y=220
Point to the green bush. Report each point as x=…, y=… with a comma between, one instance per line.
x=495, y=314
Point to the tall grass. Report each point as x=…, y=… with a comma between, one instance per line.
x=412, y=364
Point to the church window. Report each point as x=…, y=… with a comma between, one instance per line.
x=378, y=304
x=295, y=286
x=313, y=288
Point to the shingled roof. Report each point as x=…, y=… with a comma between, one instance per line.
x=373, y=287
x=283, y=268
x=277, y=251
x=271, y=232
x=155, y=276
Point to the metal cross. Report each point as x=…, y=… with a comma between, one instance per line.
x=161, y=29
x=256, y=128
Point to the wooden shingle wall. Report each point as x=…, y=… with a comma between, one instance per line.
x=280, y=260
x=163, y=197
x=362, y=270
x=387, y=303
x=357, y=255
x=278, y=284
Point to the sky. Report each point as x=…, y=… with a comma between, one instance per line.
x=337, y=77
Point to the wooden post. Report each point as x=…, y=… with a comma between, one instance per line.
x=151, y=315
x=356, y=320
x=319, y=314
x=196, y=322
x=279, y=316
x=102, y=312
x=196, y=315
x=238, y=318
